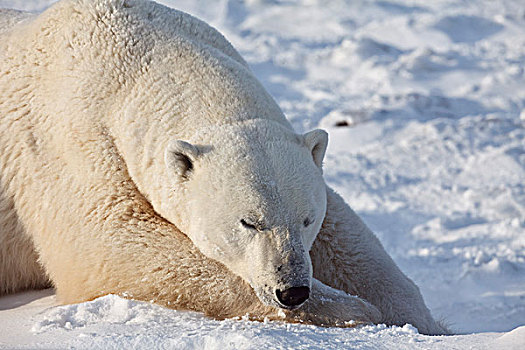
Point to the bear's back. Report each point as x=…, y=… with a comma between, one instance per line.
x=95, y=56
x=171, y=22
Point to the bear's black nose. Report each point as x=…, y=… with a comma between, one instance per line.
x=293, y=296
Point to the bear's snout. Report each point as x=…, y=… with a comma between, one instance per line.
x=292, y=297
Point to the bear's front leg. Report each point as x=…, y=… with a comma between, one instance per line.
x=137, y=254
x=348, y=256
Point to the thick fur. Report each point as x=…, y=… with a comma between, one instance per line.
x=93, y=98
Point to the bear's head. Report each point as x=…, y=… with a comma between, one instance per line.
x=251, y=195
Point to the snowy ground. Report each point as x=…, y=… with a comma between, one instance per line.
x=425, y=105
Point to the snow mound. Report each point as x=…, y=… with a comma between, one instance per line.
x=114, y=322
x=514, y=340
x=109, y=309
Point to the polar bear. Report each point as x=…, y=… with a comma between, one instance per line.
x=140, y=156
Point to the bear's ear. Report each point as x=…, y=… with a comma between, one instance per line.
x=180, y=156
x=317, y=141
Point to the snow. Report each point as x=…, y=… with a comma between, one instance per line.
x=430, y=151
x=112, y=322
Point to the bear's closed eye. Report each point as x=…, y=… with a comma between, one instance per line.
x=248, y=225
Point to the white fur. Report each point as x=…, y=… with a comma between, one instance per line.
x=124, y=122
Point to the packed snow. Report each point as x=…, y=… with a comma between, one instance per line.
x=424, y=102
